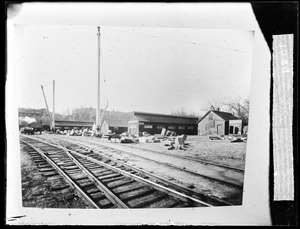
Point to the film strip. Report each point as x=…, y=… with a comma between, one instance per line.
x=283, y=117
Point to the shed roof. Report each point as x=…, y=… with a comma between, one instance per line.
x=224, y=115
x=117, y=122
x=117, y=119
x=163, y=118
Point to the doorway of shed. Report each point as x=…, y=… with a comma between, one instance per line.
x=231, y=130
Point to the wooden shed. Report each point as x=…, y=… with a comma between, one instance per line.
x=220, y=123
x=115, y=126
x=68, y=125
x=154, y=123
x=116, y=122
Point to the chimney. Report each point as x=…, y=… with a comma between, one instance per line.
x=218, y=109
x=212, y=108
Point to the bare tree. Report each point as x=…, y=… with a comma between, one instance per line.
x=237, y=106
x=66, y=111
x=184, y=112
x=240, y=108
x=216, y=103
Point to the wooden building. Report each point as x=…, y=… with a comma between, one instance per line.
x=154, y=123
x=68, y=125
x=115, y=122
x=220, y=123
x=115, y=126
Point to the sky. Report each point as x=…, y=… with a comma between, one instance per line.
x=150, y=69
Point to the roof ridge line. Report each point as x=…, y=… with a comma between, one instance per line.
x=158, y=114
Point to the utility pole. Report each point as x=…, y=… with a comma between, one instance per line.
x=98, y=88
x=47, y=107
x=53, y=114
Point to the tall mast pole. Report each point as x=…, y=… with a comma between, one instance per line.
x=53, y=114
x=98, y=88
x=47, y=107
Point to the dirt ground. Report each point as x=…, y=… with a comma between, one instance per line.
x=220, y=151
x=201, y=147
x=36, y=188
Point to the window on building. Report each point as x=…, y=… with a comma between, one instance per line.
x=171, y=127
x=160, y=126
x=181, y=127
x=148, y=126
x=190, y=127
x=211, y=123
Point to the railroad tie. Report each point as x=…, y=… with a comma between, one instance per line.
x=59, y=187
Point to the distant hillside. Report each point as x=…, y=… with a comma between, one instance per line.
x=40, y=115
x=78, y=114
x=89, y=115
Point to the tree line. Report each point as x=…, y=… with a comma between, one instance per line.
x=84, y=114
x=237, y=106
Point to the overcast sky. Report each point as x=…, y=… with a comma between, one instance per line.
x=145, y=69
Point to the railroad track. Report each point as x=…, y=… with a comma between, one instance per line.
x=93, y=145
x=192, y=159
x=203, y=161
x=106, y=183
x=158, y=179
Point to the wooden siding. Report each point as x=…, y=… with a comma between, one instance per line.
x=133, y=126
x=155, y=130
x=138, y=123
x=209, y=125
x=72, y=124
x=114, y=129
x=219, y=123
x=163, y=118
x=104, y=128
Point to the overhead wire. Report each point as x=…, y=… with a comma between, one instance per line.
x=181, y=41
x=130, y=69
x=123, y=60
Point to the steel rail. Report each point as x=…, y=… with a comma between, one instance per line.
x=162, y=188
x=190, y=158
x=147, y=182
x=167, y=182
x=64, y=175
x=114, y=199
x=174, y=167
x=182, y=157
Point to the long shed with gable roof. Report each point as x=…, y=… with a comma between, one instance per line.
x=115, y=122
x=220, y=123
x=154, y=123
x=115, y=126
